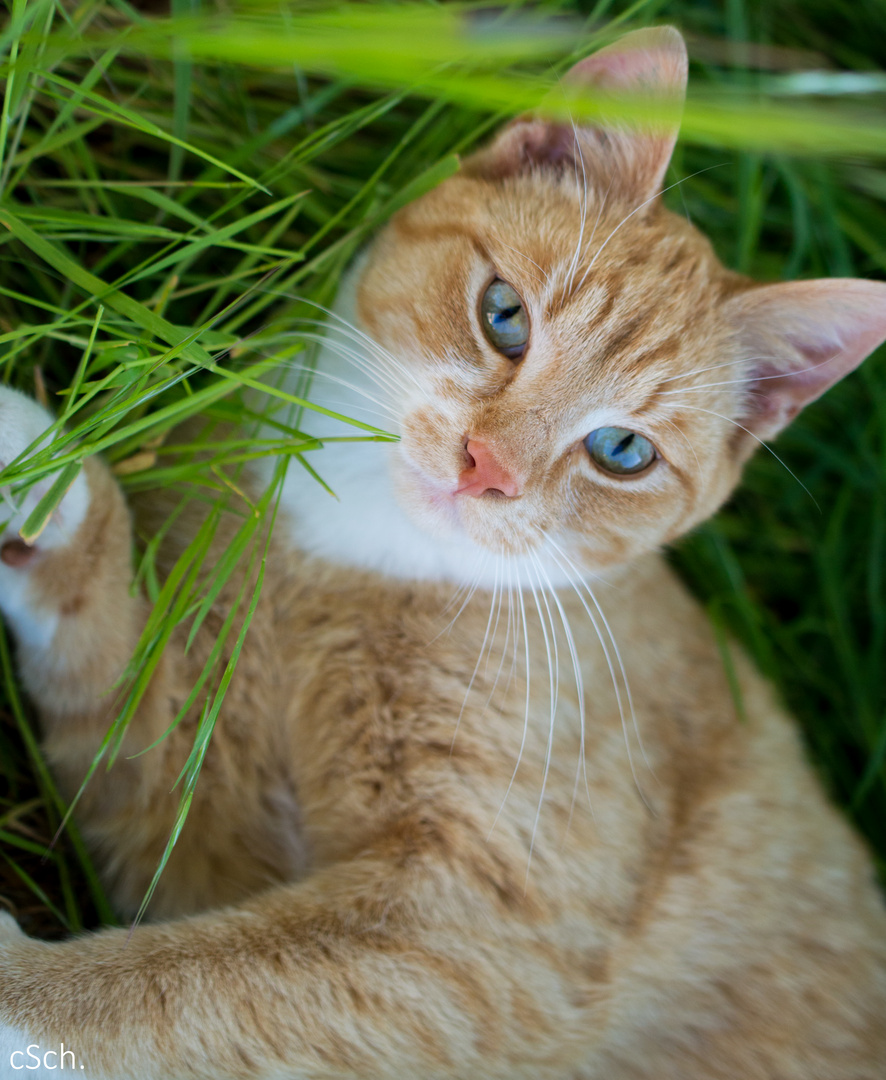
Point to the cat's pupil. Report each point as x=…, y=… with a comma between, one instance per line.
x=504, y=319
x=620, y=451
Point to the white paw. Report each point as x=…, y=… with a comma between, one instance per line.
x=22, y=421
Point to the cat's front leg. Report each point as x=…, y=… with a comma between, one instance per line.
x=65, y=596
x=20, y=1053
x=40, y=583
x=387, y=966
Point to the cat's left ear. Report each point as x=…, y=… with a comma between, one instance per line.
x=649, y=63
x=800, y=338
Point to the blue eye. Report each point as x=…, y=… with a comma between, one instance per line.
x=620, y=451
x=504, y=319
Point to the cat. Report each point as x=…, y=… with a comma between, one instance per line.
x=479, y=802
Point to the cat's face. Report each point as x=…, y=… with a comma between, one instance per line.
x=621, y=335
x=573, y=364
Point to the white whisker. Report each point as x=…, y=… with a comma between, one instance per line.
x=522, y=255
x=383, y=379
x=483, y=645
x=603, y=202
x=685, y=439
x=470, y=589
x=554, y=679
x=581, y=767
x=523, y=622
x=583, y=208
x=729, y=420
x=637, y=210
x=321, y=374
x=752, y=378
x=504, y=648
x=344, y=326
x=737, y=362
x=378, y=361
x=564, y=558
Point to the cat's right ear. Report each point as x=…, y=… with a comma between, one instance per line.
x=800, y=338
x=650, y=63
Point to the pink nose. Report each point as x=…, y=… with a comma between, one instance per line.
x=483, y=473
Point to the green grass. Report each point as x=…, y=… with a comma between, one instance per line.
x=172, y=191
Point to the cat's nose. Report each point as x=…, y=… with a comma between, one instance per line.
x=483, y=475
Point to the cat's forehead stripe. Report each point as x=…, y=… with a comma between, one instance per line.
x=424, y=232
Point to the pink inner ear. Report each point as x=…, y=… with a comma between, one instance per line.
x=646, y=59
x=801, y=338
x=629, y=162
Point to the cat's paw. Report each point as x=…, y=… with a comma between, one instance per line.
x=22, y=421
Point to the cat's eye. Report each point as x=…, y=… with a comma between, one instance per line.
x=504, y=319
x=619, y=451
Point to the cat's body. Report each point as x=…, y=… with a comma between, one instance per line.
x=527, y=833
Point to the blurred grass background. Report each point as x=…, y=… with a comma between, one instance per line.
x=176, y=183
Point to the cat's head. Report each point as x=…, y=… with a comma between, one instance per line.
x=569, y=359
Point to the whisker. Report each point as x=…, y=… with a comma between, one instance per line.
x=646, y=202
x=470, y=592
x=519, y=591
x=383, y=379
x=605, y=199
x=512, y=625
x=522, y=255
x=750, y=378
x=706, y=386
x=737, y=362
x=609, y=663
x=320, y=373
x=504, y=649
x=712, y=367
x=583, y=208
x=343, y=326
x=581, y=767
x=346, y=327
x=498, y=566
x=729, y=420
x=554, y=680
x=685, y=439
x=479, y=658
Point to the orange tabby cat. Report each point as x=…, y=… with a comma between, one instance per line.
x=533, y=841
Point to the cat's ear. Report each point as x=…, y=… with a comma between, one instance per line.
x=650, y=63
x=800, y=338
